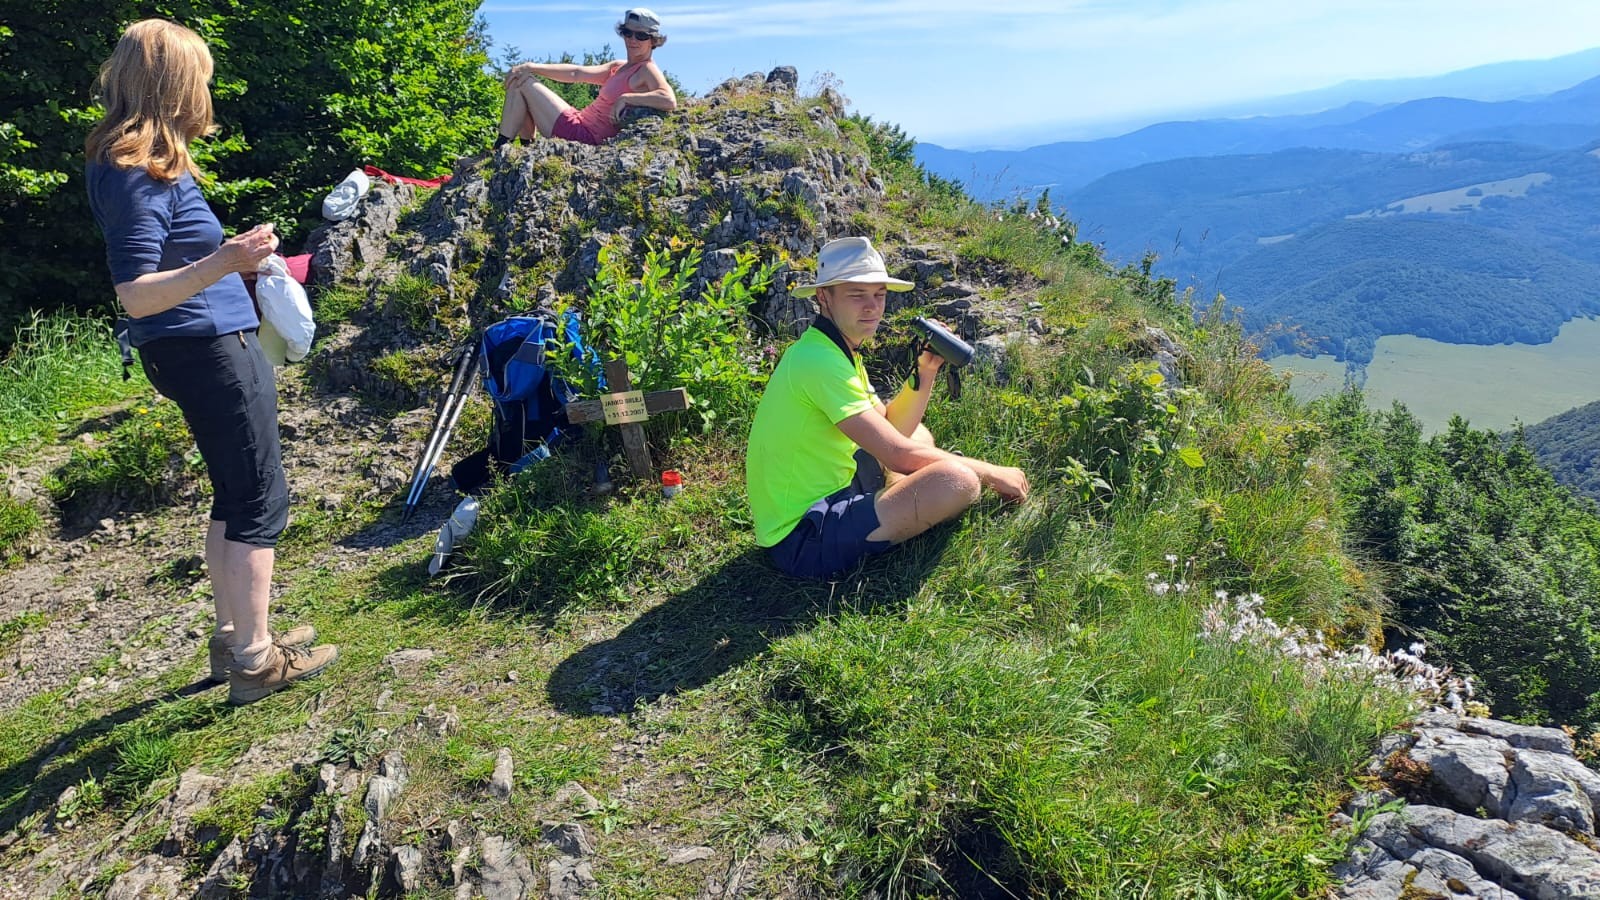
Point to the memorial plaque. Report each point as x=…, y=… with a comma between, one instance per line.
x=624, y=407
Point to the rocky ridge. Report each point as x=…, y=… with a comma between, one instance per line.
x=1475, y=808
x=751, y=165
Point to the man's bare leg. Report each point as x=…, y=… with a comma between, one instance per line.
x=923, y=499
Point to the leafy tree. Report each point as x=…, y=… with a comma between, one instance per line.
x=892, y=152
x=304, y=91
x=1489, y=560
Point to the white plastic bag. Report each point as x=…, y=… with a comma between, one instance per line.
x=459, y=525
x=340, y=204
x=284, y=306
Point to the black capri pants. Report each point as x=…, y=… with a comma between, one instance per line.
x=225, y=387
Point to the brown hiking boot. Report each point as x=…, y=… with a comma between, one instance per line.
x=285, y=666
x=222, y=654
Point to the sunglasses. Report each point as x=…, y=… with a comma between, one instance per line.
x=628, y=34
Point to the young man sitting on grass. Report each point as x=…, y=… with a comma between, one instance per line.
x=822, y=442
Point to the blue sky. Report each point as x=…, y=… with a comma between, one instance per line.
x=972, y=73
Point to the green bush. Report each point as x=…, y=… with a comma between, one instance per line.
x=142, y=461
x=304, y=89
x=672, y=338
x=1098, y=434
x=1489, y=559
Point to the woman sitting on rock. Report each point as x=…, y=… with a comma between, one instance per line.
x=635, y=81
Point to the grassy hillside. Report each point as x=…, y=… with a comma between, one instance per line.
x=1076, y=697
x=1492, y=387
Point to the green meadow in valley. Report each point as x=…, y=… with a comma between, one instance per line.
x=1491, y=386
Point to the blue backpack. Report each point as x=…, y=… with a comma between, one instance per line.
x=529, y=400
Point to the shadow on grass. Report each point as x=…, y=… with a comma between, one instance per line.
x=386, y=529
x=731, y=615
x=23, y=791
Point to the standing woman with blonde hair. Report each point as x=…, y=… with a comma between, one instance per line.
x=195, y=328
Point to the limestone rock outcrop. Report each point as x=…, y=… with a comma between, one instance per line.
x=1491, y=810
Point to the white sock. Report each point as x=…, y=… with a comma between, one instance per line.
x=254, y=656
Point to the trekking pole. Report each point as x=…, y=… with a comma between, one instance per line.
x=449, y=409
x=454, y=401
x=461, y=403
x=422, y=470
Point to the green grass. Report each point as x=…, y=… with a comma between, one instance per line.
x=142, y=460
x=544, y=546
x=59, y=367
x=1003, y=705
x=1006, y=695
x=1005, y=699
x=786, y=154
x=413, y=300
x=12, y=629
x=335, y=304
x=408, y=371
x=18, y=522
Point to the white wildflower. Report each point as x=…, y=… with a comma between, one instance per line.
x=1403, y=670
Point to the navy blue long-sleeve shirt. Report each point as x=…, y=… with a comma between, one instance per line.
x=154, y=226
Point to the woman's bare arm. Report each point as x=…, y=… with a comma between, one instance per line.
x=567, y=73
x=650, y=89
x=158, y=292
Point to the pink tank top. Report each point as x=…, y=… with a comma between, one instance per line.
x=597, y=115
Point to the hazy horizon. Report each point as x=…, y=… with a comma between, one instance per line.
x=965, y=77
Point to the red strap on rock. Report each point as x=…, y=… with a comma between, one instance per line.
x=376, y=172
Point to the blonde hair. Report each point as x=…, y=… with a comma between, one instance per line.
x=156, y=100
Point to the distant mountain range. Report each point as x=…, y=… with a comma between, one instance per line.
x=1563, y=119
x=1514, y=80
x=1478, y=243
x=1466, y=221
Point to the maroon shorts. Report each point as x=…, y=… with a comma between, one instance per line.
x=569, y=127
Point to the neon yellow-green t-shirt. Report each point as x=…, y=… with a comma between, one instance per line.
x=797, y=454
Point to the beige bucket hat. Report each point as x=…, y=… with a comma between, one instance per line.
x=854, y=260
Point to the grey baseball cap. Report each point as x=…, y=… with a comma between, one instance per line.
x=641, y=19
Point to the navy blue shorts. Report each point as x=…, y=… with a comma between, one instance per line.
x=225, y=387
x=832, y=536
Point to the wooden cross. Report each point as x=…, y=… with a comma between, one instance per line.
x=627, y=408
